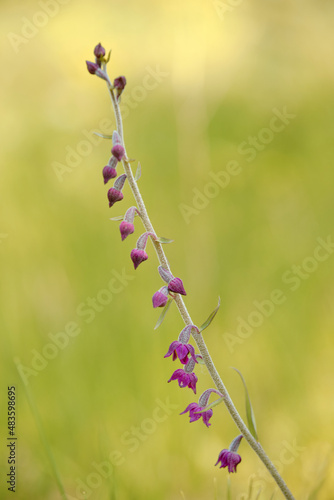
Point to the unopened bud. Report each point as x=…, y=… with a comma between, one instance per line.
x=118, y=151
x=176, y=286
x=126, y=228
x=160, y=297
x=108, y=173
x=119, y=85
x=138, y=256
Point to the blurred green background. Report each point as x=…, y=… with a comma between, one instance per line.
x=223, y=67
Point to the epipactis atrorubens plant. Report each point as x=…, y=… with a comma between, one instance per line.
x=172, y=291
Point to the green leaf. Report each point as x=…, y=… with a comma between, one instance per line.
x=120, y=217
x=164, y=240
x=103, y=135
x=164, y=312
x=249, y=410
x=210, y=318
x=138, y=172
x=211, y=405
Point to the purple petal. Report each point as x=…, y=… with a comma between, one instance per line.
x=172, y=348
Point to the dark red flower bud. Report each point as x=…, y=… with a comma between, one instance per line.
x=99, y=51
x=92, y=67
x=160, y=297
x=114, y=195
x=108, y=173
x=175, y=285
x=138, y=256
x=119, y=85
x=126, y=228
x=118, y=152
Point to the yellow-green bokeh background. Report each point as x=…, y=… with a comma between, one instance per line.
x=226, y=72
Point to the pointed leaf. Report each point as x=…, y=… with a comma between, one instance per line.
x=211, y=405
x=164, y=240
x=138, y=172
x=249, y=410
x=103, y=135
x=210, y=318
x=120, y=217
x=164, y=312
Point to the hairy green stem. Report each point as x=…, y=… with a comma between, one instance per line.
x=188, y=321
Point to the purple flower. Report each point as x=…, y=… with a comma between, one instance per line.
x=126, y=228
x=99, y=51
x=108, y=173
x=160, y=297
x=193, y=410
x=118, y=152
x=114, y=195
x=92, y=67
x=175, y=285
x=138, y=256
x=229, y=459
x=181, y=351
x=185, y=379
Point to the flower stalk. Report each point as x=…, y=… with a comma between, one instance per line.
x=114, y=91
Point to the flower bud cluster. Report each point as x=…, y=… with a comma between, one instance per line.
x=179, y=349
